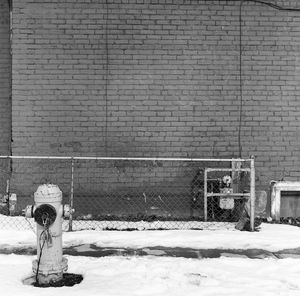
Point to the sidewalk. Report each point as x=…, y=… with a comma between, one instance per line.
x=272, y=241
x=92, y=250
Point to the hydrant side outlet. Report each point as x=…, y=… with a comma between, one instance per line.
x=29, y=210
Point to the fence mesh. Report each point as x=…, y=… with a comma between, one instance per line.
x=126, y=193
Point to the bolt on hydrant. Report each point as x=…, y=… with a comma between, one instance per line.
x=48, y=213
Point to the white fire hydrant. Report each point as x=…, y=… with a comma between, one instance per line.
x=48, y=213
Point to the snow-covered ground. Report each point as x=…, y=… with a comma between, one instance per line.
x=164, y=276
x=271, y=237
x=161, y=276
x=22, y=223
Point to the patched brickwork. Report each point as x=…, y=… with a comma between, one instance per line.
x=5, y=78
x=157, y=78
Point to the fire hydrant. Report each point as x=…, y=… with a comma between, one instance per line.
x=48, y=213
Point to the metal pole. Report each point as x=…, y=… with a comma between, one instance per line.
x=252, y=194
x=126, y=158
x=71, y=196
x=205, y=195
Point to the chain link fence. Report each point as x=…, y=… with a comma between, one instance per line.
x=130, y=193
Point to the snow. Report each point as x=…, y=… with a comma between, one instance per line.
x=163, y=276
x=271, y=237
x=21, y=223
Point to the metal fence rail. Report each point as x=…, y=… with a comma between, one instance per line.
x=130, y=193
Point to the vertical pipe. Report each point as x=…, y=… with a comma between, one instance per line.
x=71, y=196
x=205, y=195
x=240, y=79
x=10, y=4
x=236, y=166
x=252, y=193
x=106, y=77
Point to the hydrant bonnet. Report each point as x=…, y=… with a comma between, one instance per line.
x=48, y=193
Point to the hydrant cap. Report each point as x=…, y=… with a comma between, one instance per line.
x=48, y=192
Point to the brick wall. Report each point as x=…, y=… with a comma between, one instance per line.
x=5, y=74
x=166, y=82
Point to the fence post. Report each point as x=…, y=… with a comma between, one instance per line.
x=252, y=193
x=205, y=195
x=71, y=196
